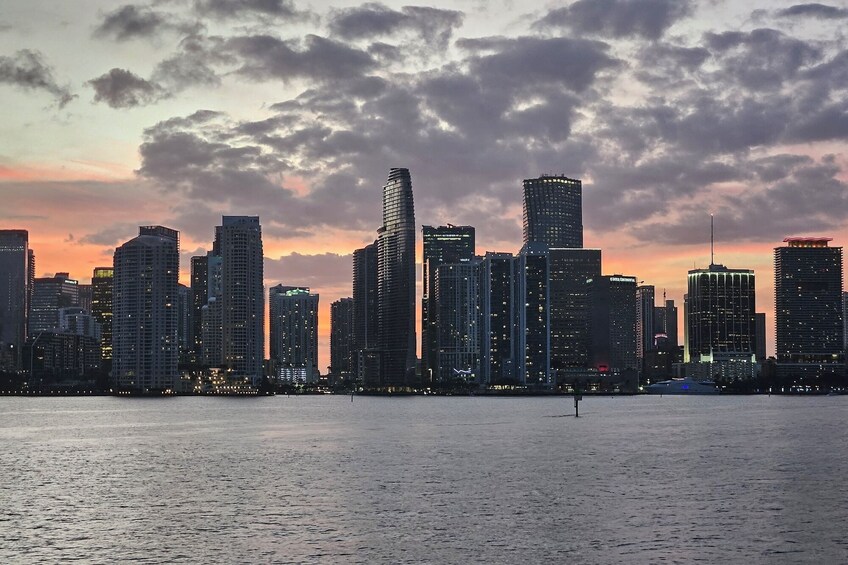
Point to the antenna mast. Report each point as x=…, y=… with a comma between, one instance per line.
x=712, y=242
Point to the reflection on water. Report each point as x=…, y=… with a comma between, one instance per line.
x=438, y=480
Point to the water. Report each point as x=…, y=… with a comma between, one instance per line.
x=424, y=480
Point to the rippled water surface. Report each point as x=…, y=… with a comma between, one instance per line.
x=322, y=479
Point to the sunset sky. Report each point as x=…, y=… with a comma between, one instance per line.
x=176, y=112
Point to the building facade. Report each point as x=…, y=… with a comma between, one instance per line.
x=457, y=297
x=533, y=316
x=294, y=334
x=553, y=211
x=497, y=328
x=342, y=363
x=144, y=322
x=808, y=311
x=645, y=322
x=242, y=296
x=612, y=302
x=49, y=294
x=102, y=280
x=442, y=245
x=16, y=269
x=365, y=312
x=396, y=283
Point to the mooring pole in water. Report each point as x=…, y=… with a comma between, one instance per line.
x=577, y=398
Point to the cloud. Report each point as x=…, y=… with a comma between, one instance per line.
x=814, y=10
x=266, y=57
x=132, y=22
x=28, y=70
x=224, y=9
x=373, y=20
x=316, y=271
x=648, y=19
x=120, y=88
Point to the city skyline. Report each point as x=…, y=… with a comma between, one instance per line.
x=177, y=114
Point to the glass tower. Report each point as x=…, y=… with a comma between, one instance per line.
x=396, y=283
x=553, y=211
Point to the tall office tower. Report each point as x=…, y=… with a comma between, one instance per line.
x=665, y=324
x=645, y=297
x=457, y=297
x=720, y=307
x=242, y=300
x=442, y=245
x=553, y=211
x=533, y=315
x=48, y=295
x=570, y=269
x=14, y=296
x=396, y=283
x=612, y=302
x=185, y=322
x=102, y=280
x=211, y=333
x=294, y=333
x=30, y=284
x=760, y=330
x=85, y=297
x=497, y=300
x=365, y=311
x=199, y=298
x=342, y=339
x=144, y=324
x=808, y=308
x=76, y=320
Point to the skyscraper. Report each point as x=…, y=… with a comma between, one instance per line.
x=199, y=298
x=85, y=298
x=720, y=307
x=396, y=283
x=553, y=211
x=612, y=302
x=645, y=298
x=48, y=295
x=570, y=271
x=15, y=282
x=497, y=329
x=457, y=297
x=185, y=323
x=342, y=364
x=365, y=312
x=808, y=309
x=442, y=245
x=294, y=333
x=533, y=315
x=144, y=324
x=102, y=280
x=242, y=300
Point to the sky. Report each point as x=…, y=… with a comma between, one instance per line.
x=176, y=112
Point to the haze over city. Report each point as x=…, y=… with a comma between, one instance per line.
x=175, y=113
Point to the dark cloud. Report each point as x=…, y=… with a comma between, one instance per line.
x=814, y=10
x=373, y=20
x=617, y=18
x=266, y=57
x=315, y=271
x=28, y=70
x=113, y=235
x=132, y=22
x=120, y=88
x=247, y=8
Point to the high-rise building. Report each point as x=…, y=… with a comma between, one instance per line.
x=85, y=296
x=497, y=330
x=665, y=325
x=102, y=280
x=144, y=324
x=365, y=312
x=760, y=343
x=612, y=302
x=533, y=315
x=720, y=307
x=185, y=323
x=442, y=245
x=553, y=211
x=570, y=271
x=457, y=297
x=76, y=320
x=242, y=300
x=808, y=311
x=645, y=331
x=396, y=283
x=15, y=280
x=342, y=364
x=294, y=334
x=211, y=333
x=199, y=298
x=48, y=295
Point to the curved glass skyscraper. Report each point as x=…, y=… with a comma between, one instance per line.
x=553, y=211
x=396, y=282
